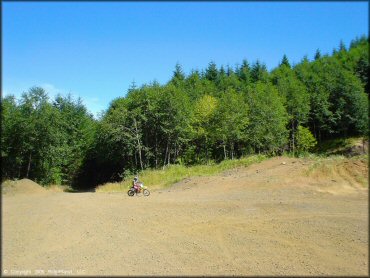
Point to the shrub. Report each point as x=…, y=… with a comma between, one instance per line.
x=305, y=140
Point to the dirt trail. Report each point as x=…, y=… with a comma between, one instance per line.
x=267, y=219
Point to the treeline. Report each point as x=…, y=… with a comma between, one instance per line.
x=42, y=140
x=210, y=115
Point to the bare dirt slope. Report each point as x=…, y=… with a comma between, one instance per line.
x=267, y=219
x=23, y=186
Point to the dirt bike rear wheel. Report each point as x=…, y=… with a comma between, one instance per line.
x=131, y=193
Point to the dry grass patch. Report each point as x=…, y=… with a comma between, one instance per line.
x=354, y=170
x=157, y=179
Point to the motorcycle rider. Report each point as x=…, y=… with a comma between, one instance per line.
x=136, y=184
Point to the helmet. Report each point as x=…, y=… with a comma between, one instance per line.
x=135, y=178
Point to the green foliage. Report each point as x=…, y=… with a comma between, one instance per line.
x=231, y=121
x=178, y=75
x=295, y=95
x=338, y=101
x=215, y=114
x=244, y=72
x=202, y=126
x=259, y=72
x=211, y=72
x=285, y=61
x=43, y=141
x=305, y=140
x=268, y=119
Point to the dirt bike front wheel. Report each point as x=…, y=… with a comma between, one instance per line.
x=146, y=192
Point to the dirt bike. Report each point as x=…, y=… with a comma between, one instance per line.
x=141, y=189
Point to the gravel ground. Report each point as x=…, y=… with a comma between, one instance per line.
x=267, y=219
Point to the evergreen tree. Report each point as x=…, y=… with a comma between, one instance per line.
x=259, y=72
x=222, y=83
x=229, y=70
x=178, y=75
x=295, y=96
x=362, y=41
x=362, y=70
x=211, y=72
x=285, y=61
x=305, y=59
x=342, y=46
x=245, y=72
x=132, y=87
x=207, y=115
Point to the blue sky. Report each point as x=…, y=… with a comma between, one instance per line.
x=94, y=50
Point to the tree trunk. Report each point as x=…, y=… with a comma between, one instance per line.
x=232, y=151
x=174, y=154
x=169, y=156
x=314, y=130
x=140, y=159
x=206, y=145
x=29, y=165
x=138, y=144
x=293, y=137
x=165, y=155
x=177, y=152
x=19, y=170
x=225, y=151
x=156, y=150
